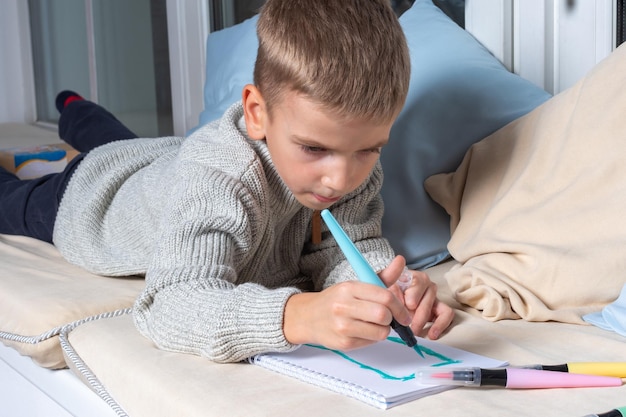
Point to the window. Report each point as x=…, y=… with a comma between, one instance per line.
x=114, y=52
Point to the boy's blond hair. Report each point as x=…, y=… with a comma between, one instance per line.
x=350, y=56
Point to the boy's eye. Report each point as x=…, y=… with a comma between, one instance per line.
x=318, y=149
x=373, y=150
x=312, y=149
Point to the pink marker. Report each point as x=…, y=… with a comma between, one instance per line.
x=512, y=378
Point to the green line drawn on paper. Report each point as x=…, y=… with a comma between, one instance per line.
x=444, y=360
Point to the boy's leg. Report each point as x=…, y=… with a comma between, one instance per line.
x=29, y=207
x=86, y=125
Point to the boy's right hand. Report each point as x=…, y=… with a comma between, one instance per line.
x=346, y=316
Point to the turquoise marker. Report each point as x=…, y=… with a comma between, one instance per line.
x=618, y=412
x=365, y=273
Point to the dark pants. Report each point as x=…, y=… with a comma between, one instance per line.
x=29, y=207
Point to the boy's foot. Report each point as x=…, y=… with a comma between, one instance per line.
x=66, y=97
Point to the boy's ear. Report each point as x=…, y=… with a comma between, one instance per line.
x=254, y=111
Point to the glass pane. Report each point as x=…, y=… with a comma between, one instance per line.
x=59, y=52
x=620, y=22
x=126, y=70
x=125, y=63
x=455, y=9
x=229, y=12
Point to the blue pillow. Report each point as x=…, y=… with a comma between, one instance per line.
x=459, y=93
x=230, y=57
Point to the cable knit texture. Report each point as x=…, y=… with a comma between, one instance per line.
x=221, y=240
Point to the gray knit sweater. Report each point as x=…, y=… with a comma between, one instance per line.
x=221, y=240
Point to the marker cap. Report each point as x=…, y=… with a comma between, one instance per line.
x=616, y=369
x=449, y=376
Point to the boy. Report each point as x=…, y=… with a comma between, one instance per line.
x=221, y=223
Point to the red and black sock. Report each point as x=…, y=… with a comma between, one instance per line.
x=66, y=97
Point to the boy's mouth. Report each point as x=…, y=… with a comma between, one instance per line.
x=326, y=200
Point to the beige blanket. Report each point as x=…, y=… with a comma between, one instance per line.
x=538, y=209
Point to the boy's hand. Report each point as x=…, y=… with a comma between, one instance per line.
x=353, y=314
x=345, y=316
x=420, y=299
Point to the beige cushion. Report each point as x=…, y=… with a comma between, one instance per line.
x=537, y=208
x=128, y=371
x=40, y=293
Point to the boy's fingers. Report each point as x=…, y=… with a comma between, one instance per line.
x=443, y=317
x=421, y=284
x=424, y=310
x=390, y=274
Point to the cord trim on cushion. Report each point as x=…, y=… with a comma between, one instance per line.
x=71, y=355
x=56, y=331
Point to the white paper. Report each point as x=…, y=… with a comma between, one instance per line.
x=382, y=374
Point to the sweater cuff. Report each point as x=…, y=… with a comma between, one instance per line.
x=253, y=324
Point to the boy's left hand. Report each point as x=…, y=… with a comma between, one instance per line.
x=420, y=299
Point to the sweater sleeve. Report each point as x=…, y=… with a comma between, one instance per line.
x=360, y=215
x=196, y=299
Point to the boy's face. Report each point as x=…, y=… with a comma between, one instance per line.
x=319, y=156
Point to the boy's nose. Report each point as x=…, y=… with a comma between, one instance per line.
x=338, y=177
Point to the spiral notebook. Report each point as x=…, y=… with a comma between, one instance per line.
x=382, y=374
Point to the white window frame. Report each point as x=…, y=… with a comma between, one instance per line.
x=188, y=23
x=17, y=81
x=552, y=43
